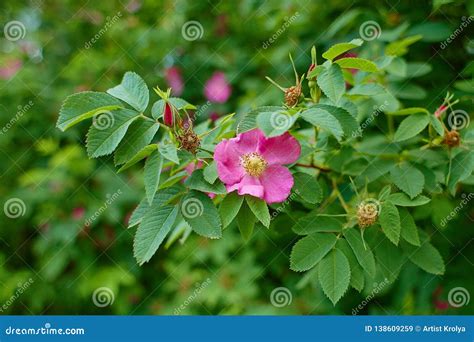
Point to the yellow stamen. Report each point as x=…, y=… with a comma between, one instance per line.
x=253, y=163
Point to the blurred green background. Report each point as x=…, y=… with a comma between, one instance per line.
x=51, y=262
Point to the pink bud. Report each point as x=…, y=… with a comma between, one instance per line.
x=440, y=110
x=168, y=115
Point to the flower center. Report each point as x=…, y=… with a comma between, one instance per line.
x=253, y=163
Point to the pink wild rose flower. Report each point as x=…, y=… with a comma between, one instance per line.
x=253, y=164
x=217, y=89
x=174, y=80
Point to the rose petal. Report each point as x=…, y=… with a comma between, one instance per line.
x=228, y=162
x=284, y=149
x=248, y=186
x=249, y=141
x=277, y=182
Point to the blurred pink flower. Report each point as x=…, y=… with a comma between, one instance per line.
x=78, y=213
x=253, y=164
x=217, y=89
x=174, y=80
x=214, y=116
x=10, y=69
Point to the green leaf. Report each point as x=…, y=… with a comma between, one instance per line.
x=400, y=47
x=139, y=135
x=197, y=182
x=331, y=82
x=105, y=135
x=201, y=214
x=411, y=126
x=364, y=256
x=334, y=275
x=314, y=223
x=246, y=221
x=389, y=220
x=249, y=120
x=169, y=151
x=229, y=208
x=210, y=172
x=340, y=48
x=369, y=89
x=385, y=192
x=408, y=179
x=425, y=257
x=143, y=153
x=307, y=187
x=161, y=198
x=275, y=123
x=259, y=209
x=389, y=258
x=357, y=274
x=82, y=106
x=171, y=180
x=321, y=118
x=409, y=111
x=348, y=123
x=152, y=172
x=437, y=125
x=180, y=103
x=152, y=231
x=462, y=166
x=308, y=251
x=157, y=109
x=316, y=71
x=132, y=90
x=403, y=200
x=357, y=63
x=409, y=230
